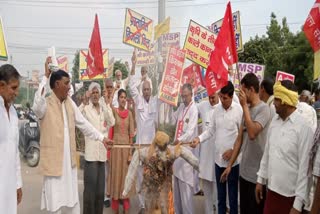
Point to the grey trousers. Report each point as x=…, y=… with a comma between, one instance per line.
x=210, y=195
x=94, y=182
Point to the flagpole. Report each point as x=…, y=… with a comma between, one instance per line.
x=238, y=73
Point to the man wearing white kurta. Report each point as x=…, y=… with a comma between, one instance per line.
x=207, y=157
x=11, y=183
x=58, y=117
x=146, y=114
x=100, y=115
x=186, y=118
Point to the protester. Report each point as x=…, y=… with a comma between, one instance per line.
x=11, y=182
x=59, y=116
x=122, y=134
x=207, y=154
x=101, y=117
x=306, y=110
x=253, y=134
x=146, y=117
x=315, y=166
x=120, y=83
x=186, y=118
x=224, y=127
x=266, y=94
x=284, y=164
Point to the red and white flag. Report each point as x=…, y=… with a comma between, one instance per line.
x=223, y=55
x=95, y=57
x=311, y=26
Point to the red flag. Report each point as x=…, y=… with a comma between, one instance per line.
x=312, y=26
x=223, y=55
x=191, y=75
x=95, y=57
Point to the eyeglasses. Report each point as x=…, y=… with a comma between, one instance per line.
x=109, y=86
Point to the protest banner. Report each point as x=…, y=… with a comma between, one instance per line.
x=199, y=44
x=3, y=44
x=162, y=28
x=215, y=28
x=245, y=68
x=169, y=40
x=109, y=71
x=146, y=58
x=170, y=85
x=316, y=65
x=137, y=30
x=83, y=65
x=284, y=76
x=63, y=63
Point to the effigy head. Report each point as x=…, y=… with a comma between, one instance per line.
x=161, y=139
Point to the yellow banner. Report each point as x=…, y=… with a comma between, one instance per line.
x=83, y=65
x=199, y=44
x=3, y=46
x=137, y=30
x=146, y=58
x=162, y=28
x=316, y=72
x=215, y=28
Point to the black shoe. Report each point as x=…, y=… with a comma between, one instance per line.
x=141, y=211
x=200, y=193
x=107, y=203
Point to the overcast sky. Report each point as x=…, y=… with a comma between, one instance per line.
x=32, y=26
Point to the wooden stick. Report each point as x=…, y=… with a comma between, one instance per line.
x=128, y=146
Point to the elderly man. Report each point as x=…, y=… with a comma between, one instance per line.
x=59, y=116
x=284, y=164
x=11, y=183
x=119, y=82
x=157, y=160
x=101, y=117
x=306, y=110
x=186, y=118
x=207, y=151
x=146, y=115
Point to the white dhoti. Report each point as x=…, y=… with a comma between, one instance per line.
x=59, y=193
x=210, y=196
x=183, y=197
x=139, y=186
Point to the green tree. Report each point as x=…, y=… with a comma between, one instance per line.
x=280, y=49
x=75, y=68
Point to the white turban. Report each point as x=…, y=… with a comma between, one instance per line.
x=95, y=85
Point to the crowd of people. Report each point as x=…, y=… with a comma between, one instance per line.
x=256, y=150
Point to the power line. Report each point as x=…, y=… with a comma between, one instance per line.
x=112, y=8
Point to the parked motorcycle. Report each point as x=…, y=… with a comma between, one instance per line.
x=29, y=139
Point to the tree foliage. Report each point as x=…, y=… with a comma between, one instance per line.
x=280, y=49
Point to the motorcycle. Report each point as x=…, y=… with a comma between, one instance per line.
x=29, y=139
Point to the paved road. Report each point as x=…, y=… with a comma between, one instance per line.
x=32, y=184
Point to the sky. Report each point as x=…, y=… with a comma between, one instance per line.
x=32, y=26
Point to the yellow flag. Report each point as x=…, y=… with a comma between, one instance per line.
x=316, y=66
x=162, y=28
x=3, y=46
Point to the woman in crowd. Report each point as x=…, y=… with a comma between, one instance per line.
x=123, y=134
